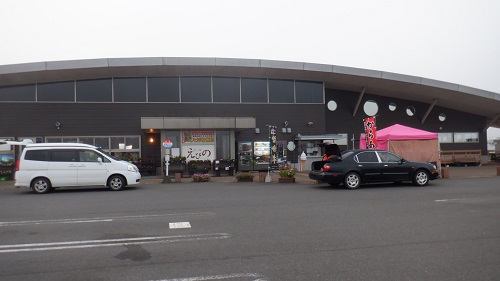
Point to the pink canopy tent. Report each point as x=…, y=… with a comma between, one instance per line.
x=410, y=143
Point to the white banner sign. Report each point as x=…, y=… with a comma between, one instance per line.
x=199, y=152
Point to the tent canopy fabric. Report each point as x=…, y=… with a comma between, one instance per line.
x=410, y=143
x=398, y=132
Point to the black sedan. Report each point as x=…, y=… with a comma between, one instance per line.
x=365, y=166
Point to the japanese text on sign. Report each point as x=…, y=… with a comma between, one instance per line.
x=199, y=136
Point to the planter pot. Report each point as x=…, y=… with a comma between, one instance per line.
x=286, y=180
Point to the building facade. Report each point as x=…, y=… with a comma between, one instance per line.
x=224, y=108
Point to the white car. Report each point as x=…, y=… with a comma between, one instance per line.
x=45, y=166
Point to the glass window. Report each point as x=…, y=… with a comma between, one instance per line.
x=89, y=156
x=50, y=140
x=163, y=89
x=37, y=155
x=410, y=110
x=132, y=143
x=392, y=106
x=94, y=90
x=226, y=89
x=117, y=143
x=445, y=137
x=388, y=157
x=281, y=91
x=465, y=137
x=64, y=91
x=308, y=92
x=18, y=93
x=370, y=108
x=86, y=140
x=332, y=105
x=63, y=155
x=102, y=143
x=367, y=157
x=253, y=90
x=222, y=145
x=72, y=140
x=196, y=89
x=129, y=89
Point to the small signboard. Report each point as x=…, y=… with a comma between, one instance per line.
x=167, y=143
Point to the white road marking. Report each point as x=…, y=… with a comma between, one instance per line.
x=175, y=225
x=103, y=219
x=460, y=199
x=218, y=277
x=109, y=242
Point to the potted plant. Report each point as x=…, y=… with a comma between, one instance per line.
x=244, y=176
x=201, y=177
x=192, y=166
x=287, y=175
x=177, y=164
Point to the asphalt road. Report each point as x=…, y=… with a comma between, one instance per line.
x=449, y=230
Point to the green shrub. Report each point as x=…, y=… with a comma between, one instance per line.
x=244, y=176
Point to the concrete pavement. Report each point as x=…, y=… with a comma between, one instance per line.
x=303, y=178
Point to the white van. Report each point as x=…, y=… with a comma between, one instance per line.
x=45, y=166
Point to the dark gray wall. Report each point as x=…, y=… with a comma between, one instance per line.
x=343, y=121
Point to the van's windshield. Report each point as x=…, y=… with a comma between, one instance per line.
x=109, y=155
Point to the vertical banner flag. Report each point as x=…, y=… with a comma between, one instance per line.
x=273, y=159
x=370, y=133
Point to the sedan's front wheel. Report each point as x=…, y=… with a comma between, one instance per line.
x=352, y=180
x=421, y=178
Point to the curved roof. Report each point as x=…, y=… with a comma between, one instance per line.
x=450, y=95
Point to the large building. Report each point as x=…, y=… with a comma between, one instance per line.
x=219, y=108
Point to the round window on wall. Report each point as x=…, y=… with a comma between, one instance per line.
x=410, y=110
x=370, y=108
x=332, y=105
x=392, y=106
x=442, y=117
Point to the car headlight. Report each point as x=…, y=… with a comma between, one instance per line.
x=434, y=166
x=132, y=168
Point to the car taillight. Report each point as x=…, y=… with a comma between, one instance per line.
x=17, y=164
x=326, y=168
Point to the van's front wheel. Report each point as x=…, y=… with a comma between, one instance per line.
x=116, y=183
x=41, y=185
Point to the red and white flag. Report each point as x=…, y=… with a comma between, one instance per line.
x=370, y=133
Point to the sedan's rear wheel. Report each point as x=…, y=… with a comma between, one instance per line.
x=352, y=180
x=41, y=185
x=116, y=183
x=421, y=178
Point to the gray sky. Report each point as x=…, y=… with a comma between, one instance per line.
x=456, y=41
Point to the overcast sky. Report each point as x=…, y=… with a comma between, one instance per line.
x=456, y=41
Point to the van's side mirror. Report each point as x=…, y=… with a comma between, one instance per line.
x=99, y=159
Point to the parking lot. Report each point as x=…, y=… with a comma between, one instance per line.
x=224, y=230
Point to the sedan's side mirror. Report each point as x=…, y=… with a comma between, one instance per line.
x=402, y=161
x=99, y=159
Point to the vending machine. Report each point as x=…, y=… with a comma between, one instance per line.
x=253, y=156
x=261, y=153
x=245, y=156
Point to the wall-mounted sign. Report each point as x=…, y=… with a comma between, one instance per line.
x=199, y=152
x=198, y=136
